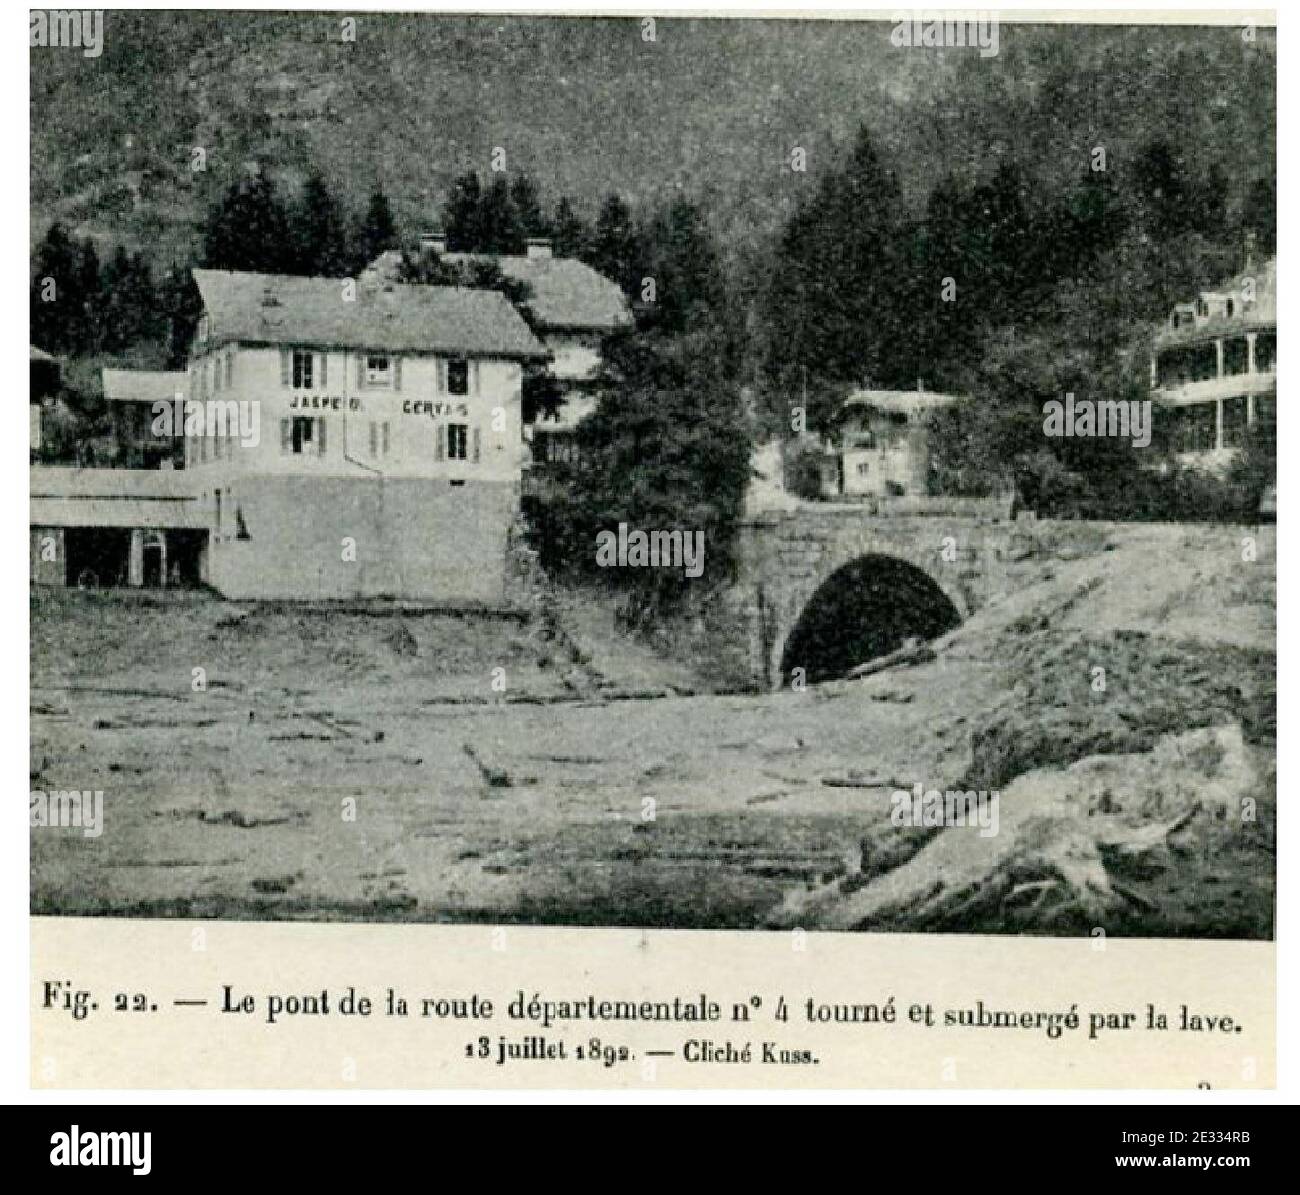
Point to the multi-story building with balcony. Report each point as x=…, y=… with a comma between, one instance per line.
x=1214, y=367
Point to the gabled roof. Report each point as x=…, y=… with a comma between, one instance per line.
x=1264, y=278
x=39, y=354
x=142, y=385
x=565, y=294
x=282, y=309
x=1261, y=313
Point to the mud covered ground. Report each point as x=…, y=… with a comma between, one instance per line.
x=353, y=765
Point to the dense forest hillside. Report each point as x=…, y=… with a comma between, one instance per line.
x=794, y=208
x=587, y=107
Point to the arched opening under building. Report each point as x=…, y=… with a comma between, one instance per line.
x=865, y=609
x=154, y=554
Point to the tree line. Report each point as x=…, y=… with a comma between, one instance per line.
x=1003, y=288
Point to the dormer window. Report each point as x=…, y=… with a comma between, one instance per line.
x=379, y=370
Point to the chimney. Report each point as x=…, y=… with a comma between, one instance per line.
x=540, y=247
x=433, y=240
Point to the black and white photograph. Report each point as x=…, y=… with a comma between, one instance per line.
x=666, y=472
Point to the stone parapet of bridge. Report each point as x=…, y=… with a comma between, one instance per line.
x=784, y=557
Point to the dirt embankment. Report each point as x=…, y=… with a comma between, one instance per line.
x=1129, y=730
x=350, y=765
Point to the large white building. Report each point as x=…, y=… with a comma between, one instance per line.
x=570, y=307
x=1214, y=367
x=341, y=440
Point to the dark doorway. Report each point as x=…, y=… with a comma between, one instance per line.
x=155, y=560
x=98, y=557
x=866, y=609
x=184, y=558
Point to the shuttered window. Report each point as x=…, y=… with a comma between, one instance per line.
x=303, y=431
x=477, y=440
x=286, y=436
x=324, y=370
x=440, y=442
x=285, y=365
x=302, y=369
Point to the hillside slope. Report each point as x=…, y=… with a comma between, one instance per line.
x=588, y=106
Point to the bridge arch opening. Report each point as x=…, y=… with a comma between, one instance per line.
x=866, y=608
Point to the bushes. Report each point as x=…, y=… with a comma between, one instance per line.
x=804, y=465
x=977, y=448
x=1163, y=492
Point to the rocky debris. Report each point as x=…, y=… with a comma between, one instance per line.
x=274, y=885
x=893, y=695
x=1066, y=841
x=246, y=820
x=912, y=652
x=495, y=777
x=236, y=620
x=400, y=640
x=852, y=779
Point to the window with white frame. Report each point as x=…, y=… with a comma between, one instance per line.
x=379, y=370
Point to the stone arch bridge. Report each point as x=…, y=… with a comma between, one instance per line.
x=812, y=581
